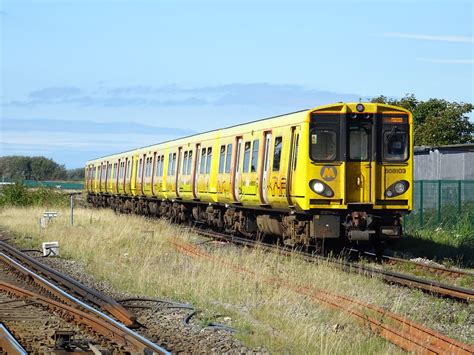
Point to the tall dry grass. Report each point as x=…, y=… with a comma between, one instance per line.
x=136, y=255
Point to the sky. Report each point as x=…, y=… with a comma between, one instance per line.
x=82, y=79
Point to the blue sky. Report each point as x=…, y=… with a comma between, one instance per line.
x=81, y=79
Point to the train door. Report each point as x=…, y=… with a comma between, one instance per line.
x=127, y=184
x=248, y=170
x=237, y=165
x=265, y=168
x=178, y=168
x=197, y=163
x=291, y=182
x=359, y=157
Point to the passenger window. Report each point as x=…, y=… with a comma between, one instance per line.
x=170, y=162
x=185, y=162
x=222, y=159
x=277, y=154
x=190, y=159
x=246, y=157
x=173, y=167
x=228, y=159
x=323, y=145
x=253, y=164
x=140, y=168
x=162, y=165
x=202, y=169
x=128, y=170
x=158, y=166
x=208, y=163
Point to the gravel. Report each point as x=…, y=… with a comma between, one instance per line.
x=163, y=325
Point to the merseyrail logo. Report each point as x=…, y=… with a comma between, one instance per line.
x=328, y=173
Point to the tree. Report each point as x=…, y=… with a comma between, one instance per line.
x=27, y=168
x=436, y=121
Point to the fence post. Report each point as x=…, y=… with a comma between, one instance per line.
x=421, y=203
x=439, y=201
x=459, y=196
x=72, y=208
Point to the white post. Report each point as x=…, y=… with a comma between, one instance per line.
x=72, y=209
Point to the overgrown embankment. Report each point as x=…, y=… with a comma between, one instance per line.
x=137, y=255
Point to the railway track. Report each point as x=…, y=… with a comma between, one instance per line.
x=27, y=299
x=451, y=272
x=408, y=335
x=430, y=286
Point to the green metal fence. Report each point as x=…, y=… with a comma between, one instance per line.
x=441, y=202
x=65, y=185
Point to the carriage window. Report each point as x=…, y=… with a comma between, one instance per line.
x=296, y=151
x=185, y=162
x=246, y=157
x=140, y=168
x=323, y=144
x=209, y=158
x=170, y=159
x=358, y=143
x=228, y=158
x=173, y=164
x=158, y=166
x=222, y=159
x=277, y=154
x=202, y=169
x=254, y=162
x=128, y=170
x=190, y=159
x=162, y=165
x=395, y=145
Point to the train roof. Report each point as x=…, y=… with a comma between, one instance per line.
x=340, y=107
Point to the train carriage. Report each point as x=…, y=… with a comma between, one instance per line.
x=341, y=171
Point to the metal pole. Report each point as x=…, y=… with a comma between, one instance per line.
x=72, y=209
x=439, y=201
x=459, y=196
x=421, y=203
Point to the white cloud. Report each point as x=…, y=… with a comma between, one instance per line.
x=423, y=37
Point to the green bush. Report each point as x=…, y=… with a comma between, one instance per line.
x=19, y=195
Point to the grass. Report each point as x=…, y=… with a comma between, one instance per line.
x=136, y=255
x=450, y=243
x=18, y=194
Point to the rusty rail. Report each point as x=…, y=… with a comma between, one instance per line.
x=92, y=318
x=99, y=299
x=79, y=311
x=430, y=286
x=408, y=335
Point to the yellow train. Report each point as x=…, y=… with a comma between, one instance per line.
x=340, y=171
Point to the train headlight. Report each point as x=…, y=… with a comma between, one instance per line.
x=318, y=187
x=321, y=188
x=398, y=188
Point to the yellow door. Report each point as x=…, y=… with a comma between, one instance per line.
x=359, y=157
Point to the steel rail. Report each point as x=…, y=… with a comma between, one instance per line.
x=99, y=299
x=431, y=286
x=81, y=312
x=399, y=330
x=434, y=268
x=8, y=343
